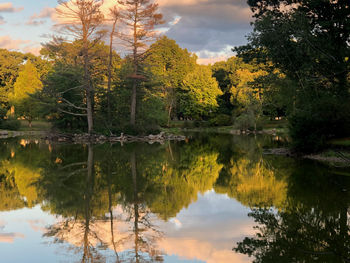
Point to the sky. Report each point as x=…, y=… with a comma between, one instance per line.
x=209, y=28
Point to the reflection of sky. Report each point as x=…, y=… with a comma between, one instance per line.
x=206, y=231
x=27, y=244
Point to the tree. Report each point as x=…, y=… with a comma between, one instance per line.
x=199, y=92
x=168, y=65
x=309, y=42
x=115, y=16
x=140, y=17
x=10, y=65
x=26, y=85
x=82, y=19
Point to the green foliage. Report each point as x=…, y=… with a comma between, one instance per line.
x=319, y=121
x=10, y=124
x=27, y=84
x=221, y=120
x=59, y=80
x=245, y=121
x=308, y=42
x=199, y=92
x=168, y=64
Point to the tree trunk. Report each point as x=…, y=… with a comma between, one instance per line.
x=169, y=115
x=87, y=256
x=88, y=93
x=133, y=104
x=136, y=206
x=135, y=62
x=110, y=72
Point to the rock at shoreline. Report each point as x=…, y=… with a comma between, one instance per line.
x=96, y=139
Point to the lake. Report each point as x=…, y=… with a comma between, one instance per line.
x=212, y=198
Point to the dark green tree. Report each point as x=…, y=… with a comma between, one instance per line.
x=309, y=42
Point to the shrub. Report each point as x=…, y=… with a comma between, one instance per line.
x=221, y=120
x=319, y=121
x=244, y=121
x=10, y=124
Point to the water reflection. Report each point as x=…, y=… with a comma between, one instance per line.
x=151, y=203
x=313, y=226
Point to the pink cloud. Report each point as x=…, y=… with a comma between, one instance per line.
x=9, y=8
x=8, y=43
x=36, y=19
x=9, y=237
x=211, y=60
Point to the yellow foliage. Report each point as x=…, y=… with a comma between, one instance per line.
x=253, y=184
x=25, y=179
x=28, y=82
x=243, y=92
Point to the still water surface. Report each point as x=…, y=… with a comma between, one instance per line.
x=213, y=198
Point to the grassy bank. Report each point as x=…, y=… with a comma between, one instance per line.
x=36, y=126
x=178, y=127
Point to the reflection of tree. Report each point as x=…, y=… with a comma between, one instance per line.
x=20, y=162
x=313, y=226
x=144, y=233
x=186, y=171
x=79, y=202
x=253, y=184
x=10, y=198
x=250, y=177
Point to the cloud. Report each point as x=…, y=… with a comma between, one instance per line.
x=2, y=20
x=207, y=25
x=38, y=19
x=201, y=25
x=9, y=8
x=8, y=43
x=34, y=49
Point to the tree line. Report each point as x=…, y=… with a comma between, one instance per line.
x=295, y=65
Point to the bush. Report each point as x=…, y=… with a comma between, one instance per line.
x=245, y=121
x=188, y=124
x=318, y=122
x=221, y=120
x=10, y=124
x=197, y=123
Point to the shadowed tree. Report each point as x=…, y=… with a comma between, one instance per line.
x=140, y=17
x=81, y=19
x=114, y=17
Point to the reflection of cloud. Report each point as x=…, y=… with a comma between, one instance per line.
x=37, y=225
x=199, y=250
x=207, y=231
x=10, y=237
x=176, y=222
x=2, y=223
x=2, y=20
